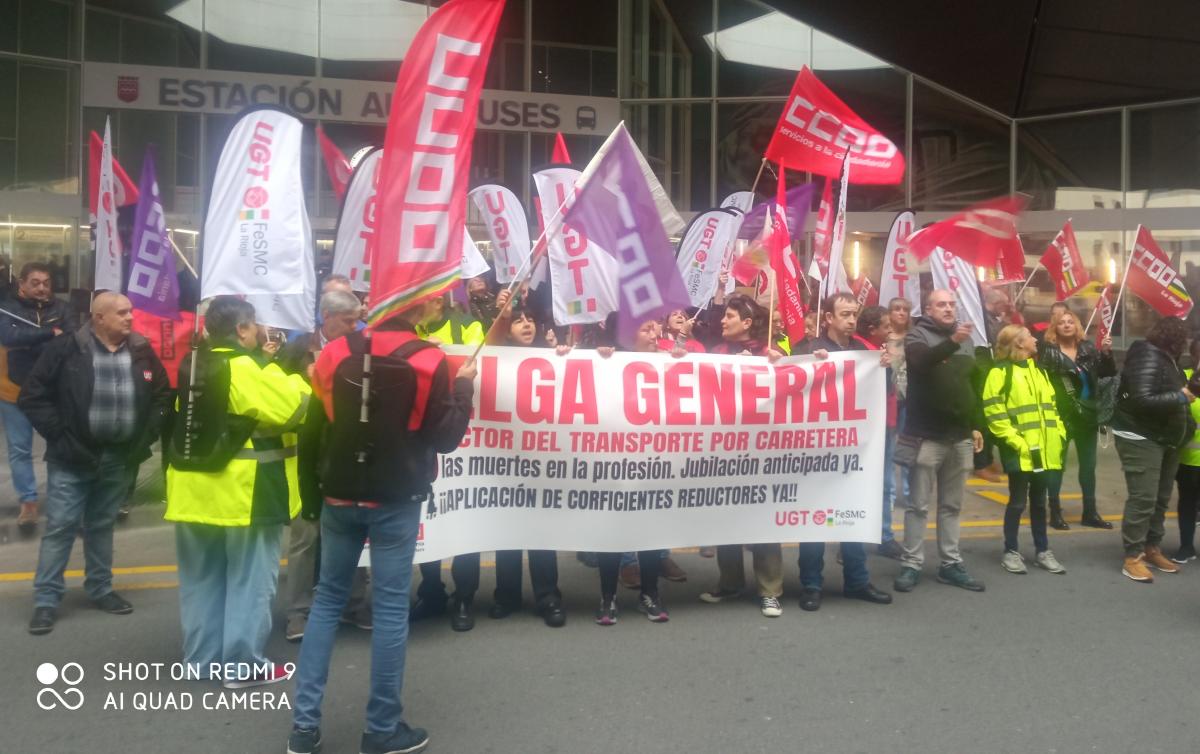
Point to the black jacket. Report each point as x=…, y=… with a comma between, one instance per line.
x=942, y=404
x=1078, y=412
x=26, y=342
x=58, y=393
x=1150, y=400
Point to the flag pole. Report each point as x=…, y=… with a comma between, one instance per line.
x=1117, y=303
x=182, y=258
x=1028, y=280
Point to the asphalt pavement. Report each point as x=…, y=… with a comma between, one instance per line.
x=1083, y=662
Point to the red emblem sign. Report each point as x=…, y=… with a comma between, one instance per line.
x=127, y=88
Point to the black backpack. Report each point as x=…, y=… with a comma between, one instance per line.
x=378, y=459
x=205, y=436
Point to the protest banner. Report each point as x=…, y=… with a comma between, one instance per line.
x=642, y=451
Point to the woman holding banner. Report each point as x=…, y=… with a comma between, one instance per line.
x=744, y=328
x=1075, y=367
x=1018, y=404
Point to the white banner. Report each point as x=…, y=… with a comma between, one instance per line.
x=473, y=263
x=582, y=275
x=835, y=281
x=355, y=238
x=705, y=250
x=900, y=278
x=108, y=240
x=955, y=274
x=143, y=87
x=642, y=451
x=504, y=218
x=742, y=200
x=256, y=234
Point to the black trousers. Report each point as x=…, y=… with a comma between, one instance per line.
x=610, y=568
x=1188, y=478
x=464, y=569
x=543, y=576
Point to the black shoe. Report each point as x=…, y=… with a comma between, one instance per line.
x=1093, y=520
x=422, y=609
x=461, y=618
x=1058, y=522
x=42, y=621
x=810, y=600
x=891, y=549
x=304, y=741
x=553, y=614
x=114, y=604
x=501, y=610
x=403, y=741
x=1183, y=555
x=870, y=594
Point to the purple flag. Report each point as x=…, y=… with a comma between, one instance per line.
x=799, y=205
x=616, y=209
x=153, y=286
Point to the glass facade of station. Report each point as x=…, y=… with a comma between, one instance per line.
x=699, y=82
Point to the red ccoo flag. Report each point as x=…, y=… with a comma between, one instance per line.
x=125, y=191
x=1152, y=278
x=1106, y=314
x=783, y=262
x=864, y=290
x=561, y=156
x=816, y=130
x=1064, y=263
x=336, y=164
x=425, y=169
x=981, y=235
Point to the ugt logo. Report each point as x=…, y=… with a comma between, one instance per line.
x=70, y=674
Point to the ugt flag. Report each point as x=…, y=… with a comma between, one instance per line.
x=107, y=239
x=1152, y=278
x=980, y=235
x=153, y=286
x=817, y=130
x=705, y=250
x=900, y=278
x=124, y=190
x=504, y=218
x=355, y=240
x=616, y=208
x=426, y=162
x=1064, y=263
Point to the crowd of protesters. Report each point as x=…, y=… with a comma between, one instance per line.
x=263, y=435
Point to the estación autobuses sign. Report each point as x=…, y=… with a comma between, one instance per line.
x=111, y=85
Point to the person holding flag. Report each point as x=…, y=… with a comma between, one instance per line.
x=1075, y=367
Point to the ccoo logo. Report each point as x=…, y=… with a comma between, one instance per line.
x=70, y=698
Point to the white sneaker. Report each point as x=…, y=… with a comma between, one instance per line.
x=1049, y=562
x=771, y=607
x=1013, y=562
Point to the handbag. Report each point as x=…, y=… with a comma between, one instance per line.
x=907, y=449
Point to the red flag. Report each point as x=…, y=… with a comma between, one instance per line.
x=1011, y=265
x=864, y=290
x=125, y=191
x=1105, y=313
x=822, y=234
x=561, y=156
x=171, y=339
x=816, y=129
x=425, y=169
x=980, y=235
x=750, y=264
x=1152, y=278
x=1064, y=263
x=336, y=164
x=783, y=262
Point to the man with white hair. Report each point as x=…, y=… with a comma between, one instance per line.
x=98, y=396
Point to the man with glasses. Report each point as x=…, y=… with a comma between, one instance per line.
x=939, y=437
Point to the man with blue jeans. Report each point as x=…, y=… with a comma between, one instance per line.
x=28, y=322
x=841, y=320
x=98, y=397
x=375, y=477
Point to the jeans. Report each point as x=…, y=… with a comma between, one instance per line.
x=854, y=565
x=1023, y=486
x=1149, y=475
x=1085, y=440
x=943, y=467
x=227, y=578
x=630, y=558
x=19, y=434
x=392, y=530
x=86, y=501
x=304, y=544
x=1188, y=478
x=889, y=487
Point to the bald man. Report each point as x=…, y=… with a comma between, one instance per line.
x=98, y=396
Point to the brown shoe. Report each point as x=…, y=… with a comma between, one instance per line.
x=631, y=576
x=1155, y=557
x=28, y=517
x=711, y=552
x=671, y=571
x=1135, y=568
x=989, y=476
